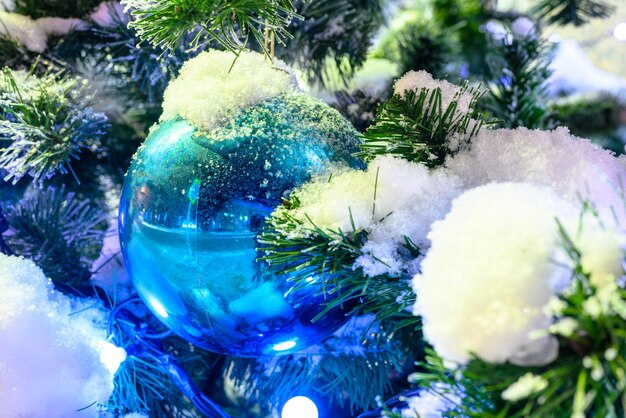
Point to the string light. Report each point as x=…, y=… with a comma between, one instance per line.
x=300, y=407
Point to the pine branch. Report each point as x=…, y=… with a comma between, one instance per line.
x=14, y=55
x=417, y=128
x=47, y=121
x=334, y=37
x=575, y=12
x=587, y=378
x=57, y=8
x=329, y=256
x=344, y=370
x=519, y=70
x=230, y=23
x=422, y=46
x=358, y=107
x=140, y=72
x=59, y=232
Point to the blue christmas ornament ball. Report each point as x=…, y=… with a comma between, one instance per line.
x=192, y=205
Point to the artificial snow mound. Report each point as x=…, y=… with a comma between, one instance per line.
x=213, y=86
x=418, y=80
x=49, y=353
x=572, y=167
x=33, y=34
x=489, y=273
x=394, y=198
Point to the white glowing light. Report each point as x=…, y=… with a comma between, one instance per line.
x=111, y=356
x=619, y=31
x=287, y=345
x=300, y=407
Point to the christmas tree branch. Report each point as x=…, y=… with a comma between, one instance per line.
x=230, y=23
x=417, y=127
x=47, y=121
x=59, y=232
x=575, y=12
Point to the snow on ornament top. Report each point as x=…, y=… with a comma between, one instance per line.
x=212, y=87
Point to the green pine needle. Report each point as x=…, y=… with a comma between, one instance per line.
x=519, y=70
x=230, y=23
x=345, y=370
x=47, y=121
x=575, y=12
x=329, y=256
x=59, y=232
x=417, y=128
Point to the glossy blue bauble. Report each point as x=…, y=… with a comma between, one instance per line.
x=192, y=206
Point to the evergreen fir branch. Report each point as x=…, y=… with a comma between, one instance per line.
x=230, y=23
x=59, y=232
x=13, y=54
x=587, y=378
x=142, y=384
x=575, y=12
x=329, y=256
x=56, y=8
x=344, y=370
x=518, y=74
x=358, y=107
x=422, y=46
x=333, y=38
x=47, y=120
x=417, y=128
x=140, y=72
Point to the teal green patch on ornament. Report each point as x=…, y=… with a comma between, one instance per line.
x=192, y=205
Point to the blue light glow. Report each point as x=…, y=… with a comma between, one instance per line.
x=300, y=407
x=287, y=345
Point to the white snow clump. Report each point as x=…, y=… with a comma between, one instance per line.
x=489, y=273
x=572, y=167
x=51, y=348
x=417, y=80
x=394, y=198
x=33, y=34
x=208, y=90
x=430, y=404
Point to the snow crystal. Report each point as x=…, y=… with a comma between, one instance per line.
x=524, y=387
x=57, y=26
x=208, y=90
x=492, y=256
x=417, y=80
x=50, y=351
x=523, y=27
x=430, y=404
x=573, y=167
x=602, y=254
x=33, y=34
x=408, y=199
